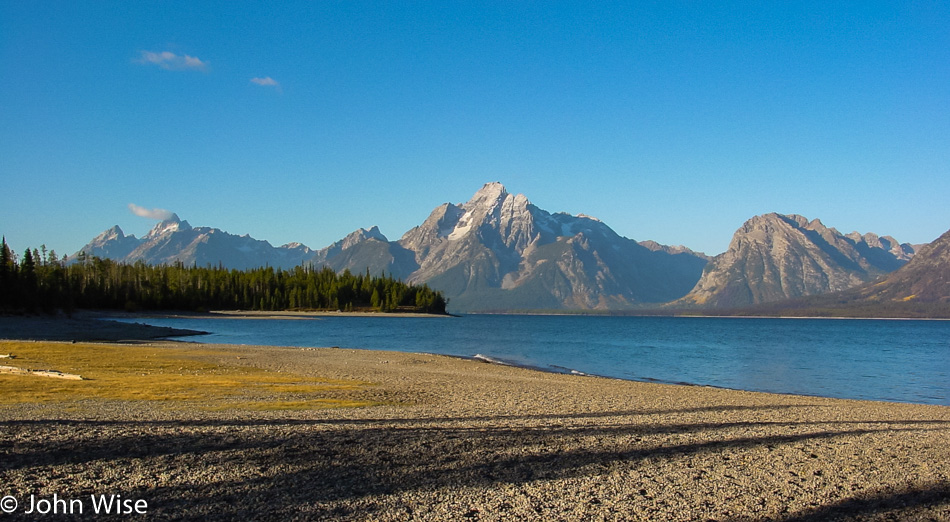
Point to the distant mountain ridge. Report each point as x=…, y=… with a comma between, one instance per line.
x=921, y=288
x=174, y=240
x=499, y=252
x=774, y=257
x=924, y=279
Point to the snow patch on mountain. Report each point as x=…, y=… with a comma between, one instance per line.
x=462, y=228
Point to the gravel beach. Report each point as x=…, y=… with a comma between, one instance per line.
x=455, y=439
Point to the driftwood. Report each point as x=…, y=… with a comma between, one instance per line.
x=40, y=373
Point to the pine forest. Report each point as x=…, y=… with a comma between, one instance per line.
x=40, y=281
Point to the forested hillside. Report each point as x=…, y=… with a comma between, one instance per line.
x=40, y=281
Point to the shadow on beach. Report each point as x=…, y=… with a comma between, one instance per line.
x=365, y=469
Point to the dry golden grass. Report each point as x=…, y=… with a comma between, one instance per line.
x=174, y=377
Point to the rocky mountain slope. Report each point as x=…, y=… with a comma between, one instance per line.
x=921, y=288
x=925, y=279
x=774, y=257
x=367, y=249
x=498, y=251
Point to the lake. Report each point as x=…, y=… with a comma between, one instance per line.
x=885, y=360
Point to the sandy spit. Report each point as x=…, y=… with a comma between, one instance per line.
x=466, y=440
x=82, y=326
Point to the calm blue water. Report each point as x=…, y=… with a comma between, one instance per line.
x=906, y=361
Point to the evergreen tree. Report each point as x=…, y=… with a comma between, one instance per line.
x=27, y=281
x=8, y=273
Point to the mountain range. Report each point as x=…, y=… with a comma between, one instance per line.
x=498, y=251
x=174, y=240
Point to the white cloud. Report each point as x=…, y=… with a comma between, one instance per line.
x=155, y=213
x=267, y=81
x=171, y=61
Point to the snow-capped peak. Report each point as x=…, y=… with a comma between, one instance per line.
x=110, y=234
x=172, y=224
x=488, y=196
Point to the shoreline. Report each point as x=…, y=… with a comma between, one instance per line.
x=448, y=438
x=700, y=316
x=562, y=370
x=250, y=314
x=258, y=314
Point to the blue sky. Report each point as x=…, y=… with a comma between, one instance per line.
x=671, y=121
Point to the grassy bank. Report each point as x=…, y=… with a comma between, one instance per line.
x=169, y=376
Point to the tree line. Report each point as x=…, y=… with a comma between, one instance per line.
x=41, y=281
